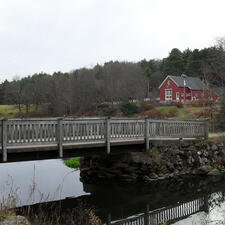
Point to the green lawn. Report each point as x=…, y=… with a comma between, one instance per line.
x=10, y=111
x=185, y=113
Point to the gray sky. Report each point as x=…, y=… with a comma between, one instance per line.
x=52, y=35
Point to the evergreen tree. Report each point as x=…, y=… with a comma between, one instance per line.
x=174, y=63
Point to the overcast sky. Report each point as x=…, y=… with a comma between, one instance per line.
x=63, y=35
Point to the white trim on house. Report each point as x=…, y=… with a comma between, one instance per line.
x=166, y=79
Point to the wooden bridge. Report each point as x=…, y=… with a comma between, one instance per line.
x=36, y=135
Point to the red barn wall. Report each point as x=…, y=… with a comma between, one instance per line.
x=197, y=94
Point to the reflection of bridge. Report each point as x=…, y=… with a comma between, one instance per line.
x=41, y=135
x=166, y=215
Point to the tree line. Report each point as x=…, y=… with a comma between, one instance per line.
x=84, y=89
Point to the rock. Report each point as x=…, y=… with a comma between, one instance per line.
x=153, y=176
x=126, y=177
x=220, y=144
x=214, y=147
x=203, y=170
x=223, y=151
x=15, y=220
x=205, y=154
x=214, y=172
x=121, y=165
x=146, y=179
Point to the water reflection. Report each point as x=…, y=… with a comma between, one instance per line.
x=36, y=181
x=193, y=201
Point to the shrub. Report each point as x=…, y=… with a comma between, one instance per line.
x=110, y=111
x=172, y=112
x=156, y=114
x=219, y=167
x=103, y=105
x=206, y=113
x=128, y=108
x=198, y=103
x=73, y=162
x=144, y=106
x=179, y=105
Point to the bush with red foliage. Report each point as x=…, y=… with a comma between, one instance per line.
x=179, y=105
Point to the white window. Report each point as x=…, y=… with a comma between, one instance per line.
x=177, y=96
x=168, y=94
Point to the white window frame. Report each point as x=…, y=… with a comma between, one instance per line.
x=168, y=96
x=177, y=96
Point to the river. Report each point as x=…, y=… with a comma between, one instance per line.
x=193, y=201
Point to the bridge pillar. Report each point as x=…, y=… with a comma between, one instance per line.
x=60, y=137
x=107, y=135
x=146, y=133
x=4, y=140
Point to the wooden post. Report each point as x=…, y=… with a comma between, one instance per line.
x=146, y=133
x=108, y=219
x=4, y=140
x=107, y=134
x=206, y=129
x=206, y=203
x=60, y=137
x=146, y=217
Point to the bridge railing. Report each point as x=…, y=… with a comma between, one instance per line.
x=177, y=129
x=87, y=130
x=165, y=215
x=127, y=128
x=22, y=132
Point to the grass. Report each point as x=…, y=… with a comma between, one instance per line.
x=185, y=113
x=10, y=111
x=220, y=168
x=73, y=162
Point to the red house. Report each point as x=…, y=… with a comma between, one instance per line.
x=181, y=88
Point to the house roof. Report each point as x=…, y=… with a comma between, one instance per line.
x=218, y=90
x=194, y=83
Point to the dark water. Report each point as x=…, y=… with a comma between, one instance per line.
x=194, y=201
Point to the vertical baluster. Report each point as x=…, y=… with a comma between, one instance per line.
x=32, y=132
x=108, y=134
x=27, y=133
x=60, y=137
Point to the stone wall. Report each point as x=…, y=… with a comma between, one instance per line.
x=170, y=160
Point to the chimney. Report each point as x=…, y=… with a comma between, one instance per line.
x=183, y=76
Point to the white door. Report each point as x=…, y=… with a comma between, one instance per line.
x=177, y=96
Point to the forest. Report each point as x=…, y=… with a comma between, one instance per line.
x=85, y=89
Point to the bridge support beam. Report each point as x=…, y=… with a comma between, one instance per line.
x=146, y=133
x=206, y=129
x=4, y=140
x=60, y=137
x=107, y=135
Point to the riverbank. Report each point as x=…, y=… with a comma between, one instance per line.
x=164, y=160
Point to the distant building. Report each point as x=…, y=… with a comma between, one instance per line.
x=181, y=88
